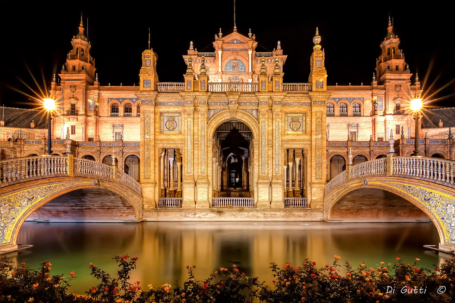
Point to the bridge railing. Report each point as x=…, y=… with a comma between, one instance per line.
x=19, y=170
x=429, y=169
x=233, y=202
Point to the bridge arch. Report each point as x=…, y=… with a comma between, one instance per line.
x=434, y=200
x=21, y=200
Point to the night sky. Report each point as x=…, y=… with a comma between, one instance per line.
x=37, y=37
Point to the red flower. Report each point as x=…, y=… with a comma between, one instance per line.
x=114, y=291
x=72, y=273
x=135, y=258
x=187, y=267
x=326, y=265
x=205, y=285
x=305, y=259
x=331, y=268
x=236, y=270
x=437, y=269
x=314, y=263
x=47, y=263
x=23, y=263
x=125, y=257
x=398, y=258
x=295, y=268
x=243, y=274
x=93, y=289
x=313, y=275
x=133, y=288
x=106, y=289
x=423, y=274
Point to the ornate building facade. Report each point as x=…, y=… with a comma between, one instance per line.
x=232, y=128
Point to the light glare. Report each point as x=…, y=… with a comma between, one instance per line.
x=49, y=104
x=416, y=104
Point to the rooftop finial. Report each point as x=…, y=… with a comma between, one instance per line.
x=149, y=37
x=235, y=25
x=263, y=67
x=53, y=79
x=203, y=70
x=82, y=23
x=374, y=76
x=277, y=70
x=317, y=40
x=279, y=45
x=189, y=70
x=249, y=33
x=390, y=21
x=220, y=34
x=191, y=45
x=417, y=77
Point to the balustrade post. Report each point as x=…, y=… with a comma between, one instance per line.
x=390, y=164
x=70, y=165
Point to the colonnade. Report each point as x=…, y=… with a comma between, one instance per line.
x=294, y=173
x=171, y=173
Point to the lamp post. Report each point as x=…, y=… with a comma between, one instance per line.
x=49, y=105
x=416, y=106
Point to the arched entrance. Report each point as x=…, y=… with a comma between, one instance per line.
x=232, y=158
x=214, y=161
x=132, y=167
x=359, y=159
x=439, y=156
x=337, y=166
x=108, y=160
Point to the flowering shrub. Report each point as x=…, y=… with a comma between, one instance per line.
x=397, y=282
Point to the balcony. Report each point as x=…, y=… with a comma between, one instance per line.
x=127, y=114
x=233, y=87
x=296, y=87
x=233, y=202
x=343, y=114
x=264, y=54
x=170, y=86
x=114, y=114
x=72, y=112
x=356, y=114
x=206, y=54
x=295, y=202
x=170, y=203
x=332, y=114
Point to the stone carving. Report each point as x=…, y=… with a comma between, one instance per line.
x=249, y=103
x=213, y=112
x=218, y=103
x=189, y=160
x=147, y=144
x=263, y=129
x=170, y=103
x=203, y=147
x=318, y=145
x=346, y=99
x=121, y=100
x=146, y=102
x=296, y=103
x=170, y=123
x=295, y=123
x=277, y=145
x=318, y=102
x=253, y=112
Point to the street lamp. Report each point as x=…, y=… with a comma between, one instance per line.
x=49, y=105
x=416, y=106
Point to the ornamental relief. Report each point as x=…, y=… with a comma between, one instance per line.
x=170, y=123
x=295, y=123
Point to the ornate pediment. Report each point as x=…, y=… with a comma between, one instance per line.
x=235, y=41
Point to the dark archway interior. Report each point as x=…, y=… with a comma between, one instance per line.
x=85, y=205
x=381, y=156
x=370, y=204
x=88, y=157
x=439, y=156
x=337, y=166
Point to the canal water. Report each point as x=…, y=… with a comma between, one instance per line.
x=165, y=249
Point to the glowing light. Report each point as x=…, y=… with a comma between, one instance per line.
x=416, y=104
x=49, y=104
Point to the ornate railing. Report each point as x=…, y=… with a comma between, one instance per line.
x=233, y=87
x=206, y=54
x=72, y=112
x=296, y=87
x=264, y=54
x=430, y=169
x=19, y=170
x=170, y=203
x=170, y=86
x=295, y=202
x=127, y=114
x=233, y=202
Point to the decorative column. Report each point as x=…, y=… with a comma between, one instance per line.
x=214, y=177
x=171, y=172
x=290, y=181
x=179, y=176
x=218, y=183
x=162, y=190
x=285, y=171
x=244, y=181
x=297, y=189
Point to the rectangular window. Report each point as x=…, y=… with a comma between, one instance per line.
x=380, y=139
x=397, y=129
x=90, y=104
x=73, y=106
x=147, y=83
x=319, y=84
x=353, y=136
x=91, y=139
x=188, y=85
x=203, y=85
x=73, y=129
x=118, y=136
x=277, y=85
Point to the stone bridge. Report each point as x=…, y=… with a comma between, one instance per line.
x=428, y=183
x=28, y=183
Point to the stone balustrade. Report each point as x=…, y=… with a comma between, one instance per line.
x=429, y=169
x=170, y=86
x=233, y=87
x=295, y=202
x=20, y=170
x=296, y=87
x=233, y=202
x=170, y=203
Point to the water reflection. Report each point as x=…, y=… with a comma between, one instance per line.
x=165, y=249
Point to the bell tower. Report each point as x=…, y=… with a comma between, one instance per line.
x=148, y=74
x=318, y=74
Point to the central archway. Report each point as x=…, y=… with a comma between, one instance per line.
x=252, y=124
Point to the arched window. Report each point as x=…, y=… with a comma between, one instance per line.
x=343, y=109
x=128, y=110
x=138, y=112
x=114, y=110
x=356, y=109
x=330, y=109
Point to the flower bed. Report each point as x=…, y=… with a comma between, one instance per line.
x=393, y=282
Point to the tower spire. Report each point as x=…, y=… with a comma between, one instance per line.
x=390, y=21
x=82, y=23
x=149, y=38
x=235, y=25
